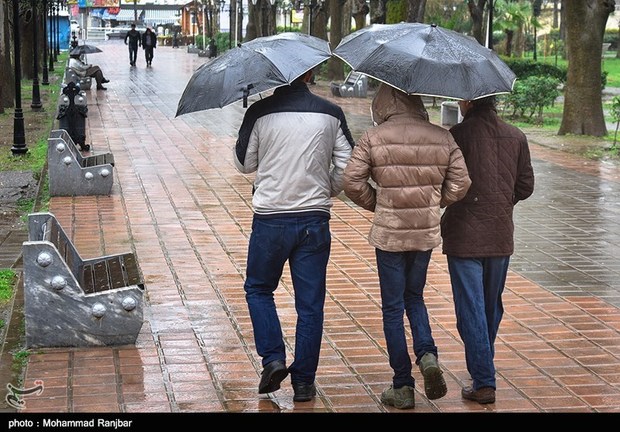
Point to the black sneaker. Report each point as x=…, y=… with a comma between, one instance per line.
x=273, y=374
x=304, y=392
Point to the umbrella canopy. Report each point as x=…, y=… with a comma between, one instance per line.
x=254, y=67
x=84, y=49
x=426, y=59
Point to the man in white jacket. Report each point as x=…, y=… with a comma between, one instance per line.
x=298, y=144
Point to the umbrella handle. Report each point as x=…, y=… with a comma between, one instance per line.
x=246, y=93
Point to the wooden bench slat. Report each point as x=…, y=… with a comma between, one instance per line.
x=131, y=270
x=117, y=275
x=101, y=277
x=88, y=283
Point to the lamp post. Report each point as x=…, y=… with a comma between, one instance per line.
x=19, y=135
x=45, y=78
x=49, y=38
x=490, y=25
x=57, y=36
x=230, y=24
x=36, y=94
x=239, y=38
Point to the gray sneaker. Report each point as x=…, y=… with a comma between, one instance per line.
x=401, y=398
x=434, y=384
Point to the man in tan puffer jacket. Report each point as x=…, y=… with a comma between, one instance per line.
x=416, y=168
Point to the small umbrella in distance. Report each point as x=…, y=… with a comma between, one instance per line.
x=84, y=49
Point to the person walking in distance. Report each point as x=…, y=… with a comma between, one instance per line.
x=416, y=168
x=478, y=234
x=149, y=43
x=133, y=38
x=298, y=144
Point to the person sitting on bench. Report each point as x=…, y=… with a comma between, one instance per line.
x=83, y=70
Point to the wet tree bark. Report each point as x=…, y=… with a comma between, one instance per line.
x=583, y=106
x=476, y=11
x=7, y=91
x=335, y=66
x=415, y=11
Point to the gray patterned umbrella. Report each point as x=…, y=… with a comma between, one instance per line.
x=84, y=49
x=426, y=59
x=254, y=67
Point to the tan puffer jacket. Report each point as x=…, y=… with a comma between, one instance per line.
x=416, y=168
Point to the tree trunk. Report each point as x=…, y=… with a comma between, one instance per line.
x=7, y=89
x=476, y=11
x=378, y=11
x=583, y=106
x=27, y=44
x=415, y=11
x=319, y=20
x=508, y=49
x=359, y=11
x=251, y=31
x=335, y=66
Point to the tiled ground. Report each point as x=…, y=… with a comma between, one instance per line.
x=180, y=205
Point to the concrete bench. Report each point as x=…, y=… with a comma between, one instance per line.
x=71, y=174
x=355, y=85
x=450, y=113
x=72, y=302
x=85, y=83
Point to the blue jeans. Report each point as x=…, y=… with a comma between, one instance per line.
x=402, y=276
x=477, y=286
x=133, y=53
x=305, y=241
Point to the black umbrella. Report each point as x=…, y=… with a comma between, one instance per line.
x=84, y=49
x=426, y=59
x=254, y=67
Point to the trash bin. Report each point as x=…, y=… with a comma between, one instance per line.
x=72, y=111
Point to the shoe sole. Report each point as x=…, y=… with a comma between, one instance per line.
x=274, y=381
x=434, y=383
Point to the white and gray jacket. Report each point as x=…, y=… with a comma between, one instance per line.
x=299, y=144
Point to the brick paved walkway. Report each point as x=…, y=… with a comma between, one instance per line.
x=181, y=206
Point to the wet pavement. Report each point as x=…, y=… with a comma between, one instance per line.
x=180, y=205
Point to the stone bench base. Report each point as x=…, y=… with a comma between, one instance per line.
x=71, y=302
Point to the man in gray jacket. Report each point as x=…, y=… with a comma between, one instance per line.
x=298, y=144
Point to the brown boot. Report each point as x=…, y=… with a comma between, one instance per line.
x=484, y=395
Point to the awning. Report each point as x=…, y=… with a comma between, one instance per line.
x=98, y=13
x=127, y=15
x=154, y=17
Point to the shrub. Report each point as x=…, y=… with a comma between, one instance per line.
x=531, y=95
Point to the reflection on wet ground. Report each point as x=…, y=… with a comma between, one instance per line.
x=568, y=235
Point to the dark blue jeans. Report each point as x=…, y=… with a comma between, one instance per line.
x=305, y=242
x=477, y=287
x=402, y=277
x=133, y=53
